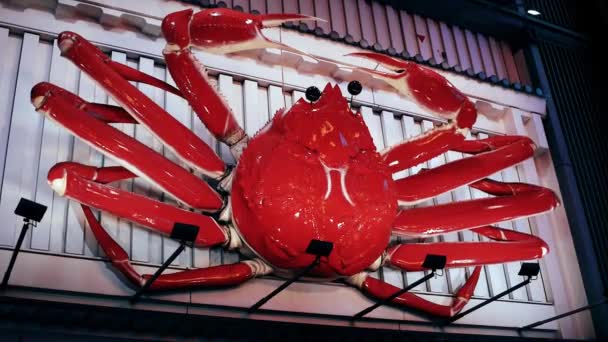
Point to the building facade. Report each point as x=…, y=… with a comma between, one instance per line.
x=62, y=262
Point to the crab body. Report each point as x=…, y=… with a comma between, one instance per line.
x=313, y=173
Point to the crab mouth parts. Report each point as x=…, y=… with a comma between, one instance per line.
x=342, y=171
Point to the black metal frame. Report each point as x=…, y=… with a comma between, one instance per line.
x=186, y=234
x=316, y=247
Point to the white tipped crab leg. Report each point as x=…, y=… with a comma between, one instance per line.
x=179, y=139
x=141, y=160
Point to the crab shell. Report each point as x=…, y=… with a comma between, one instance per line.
x=313, y=173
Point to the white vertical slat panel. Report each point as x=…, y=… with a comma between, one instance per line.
x=527, y=174
x=435, y=284
x=109, y=221
x=507, y=55
x=179, y=109
x=381, y=25
x=539, y=224
x=412, y=129
x=141, y=237
x=473, y=51
x=374, y=125
x=23, y=148
x=158, y=254
x=258, y=5
x=276, y=100
x=448, y=44
x=495, y=272
x=243, y=4
x=393, y=135
x=368, y=30
x=422, y=37
x=81, y=153
x=338, y=20
x=353, y=25
x=49, y=149
x=460, y=194
x=499, y=62
x=124, y=227
x=307, y=7
x=512, y=268
x=198, y=127
x=9, y=65
x=409, y=33
x=461, y=48
x=276, y=7
x=456, y=276
x=66, y=75
x=224, y=86
x=394, y=26
x=236, y=96
x=442, y=284
x=288, y=100
x=322, y=11
x=204, y=257
x=483, y=285
x=436, y=42
x=264, y=106
x=97, y=159
x=255, y=116
x=297, y=95
x=486, y=55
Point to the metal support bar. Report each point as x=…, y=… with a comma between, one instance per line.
x=394, y=295
x=488, y=301
x=7, y=274
x=588, y=307
x=158, y=272
x=284, y=285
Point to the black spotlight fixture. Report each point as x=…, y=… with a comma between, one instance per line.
x=528, y=270
x=319, y=249
x=313, y=93
x=184, y=233
x=32, y=213
x=431, y=261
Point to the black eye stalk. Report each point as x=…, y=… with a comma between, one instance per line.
x=354, y=88
x=313, y=93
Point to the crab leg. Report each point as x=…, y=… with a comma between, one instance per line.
x=79, y=117
x=381, y=290
x=223, y=275
x=183, y=142
x=221, y=31
x=496, y=155
x=512, y=201
x=508, y=245
x=86, y=185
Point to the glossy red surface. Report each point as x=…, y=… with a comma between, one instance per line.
x=212, y=276
x=160, y=123
x=313, y=174
x=513, y=200
x=382, y=290
x=137, y=157
x=210, y=107
x=464, y=171
x=74, y=181
x=425, y=87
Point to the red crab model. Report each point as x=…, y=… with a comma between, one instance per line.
x=311, y=173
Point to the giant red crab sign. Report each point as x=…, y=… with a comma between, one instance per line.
x=311, y=173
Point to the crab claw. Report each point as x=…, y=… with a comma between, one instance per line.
x=384, y=60
x=425, y=87
x=221, y=30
